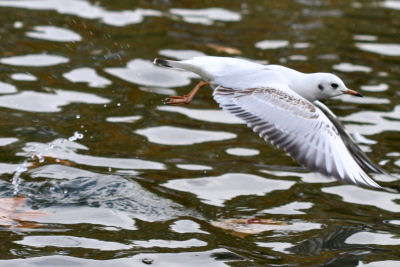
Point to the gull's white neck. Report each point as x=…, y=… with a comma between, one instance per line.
x=302, y=83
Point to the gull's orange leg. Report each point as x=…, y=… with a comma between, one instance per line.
x=184, y=99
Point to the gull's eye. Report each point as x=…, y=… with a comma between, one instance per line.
x=320, y=87
x=334, y=85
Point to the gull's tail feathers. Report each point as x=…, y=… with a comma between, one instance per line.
x=163, y=62
x=185, y=65
x=195, y=65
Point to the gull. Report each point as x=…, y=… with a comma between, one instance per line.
x=283, y=106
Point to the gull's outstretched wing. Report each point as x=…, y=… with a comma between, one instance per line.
x=293, y=124
x=362, y=159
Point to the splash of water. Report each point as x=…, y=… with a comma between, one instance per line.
x=17, y=180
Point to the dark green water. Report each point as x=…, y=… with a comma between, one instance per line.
x=124, y=180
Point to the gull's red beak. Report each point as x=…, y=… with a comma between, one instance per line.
x=352, y=92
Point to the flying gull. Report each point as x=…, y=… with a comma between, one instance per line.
x=283, y=106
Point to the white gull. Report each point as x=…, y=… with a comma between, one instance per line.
x=282, y=105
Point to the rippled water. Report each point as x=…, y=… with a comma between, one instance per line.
x=107, y=175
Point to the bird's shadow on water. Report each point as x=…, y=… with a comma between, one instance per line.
x=333, y=243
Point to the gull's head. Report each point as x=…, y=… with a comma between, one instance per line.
x=329, y=85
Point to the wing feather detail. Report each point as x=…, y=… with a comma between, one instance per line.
x=365, y=163
x=292, y=123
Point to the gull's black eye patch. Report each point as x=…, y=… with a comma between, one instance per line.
x=334, y=85
x=320, y=87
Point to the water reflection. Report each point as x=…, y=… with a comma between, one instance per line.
x=379, y=48
x=206, y=16
x=330, y=240
x=6, y=88
x=193, y=167
x=171, y=243
x=48, y=102
x=272, y=44
x=186, y=226
x=70, y=241
x=23, y=77
x=375, y=88
x=168, y=135
x=348, y=67
x=208, y=115
x=86, y=10
x=87, y=75
x=373, y=122
x=361, y=196
x=240, y=151
x=211, y=258
x=52, y=33
x=291, y=208
x=155, y=184
x=216, y=190
x=364, y=238
x=66, y=150
x=34, y=60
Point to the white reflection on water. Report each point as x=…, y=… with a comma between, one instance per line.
x=70, y=241
x=206, y=16
x=5, y=141
x=216, y=190
x=308, y=177
x=186, y=226
x=87, y=75
x=209, y=258
x=277, y=246
x=358, y=195
x=170, y=243
x=363, y=100
x=365, y=238
x=143, y=72
x=272, y=44
x=48, y=102
x=168, y=135
x=394, y=4
x=365, y=37
x=52, y=33
x=381, y=49
x=23, y=77
x=8, y=168
x=194, y=167
x=85, y=9
x=56, y=171
x=125, y=119
x=209, y=115
x=373, y=122
x=291, y=208
x=66, y=150
x=255, y=228
x=240, y=151
x=6, y=88
x=34, y=60
x=388, y=263
x=375, y=88
x=161, y=91
x=349, y=67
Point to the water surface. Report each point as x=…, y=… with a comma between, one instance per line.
x=108, y=175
